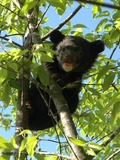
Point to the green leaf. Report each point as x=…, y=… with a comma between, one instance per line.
x=6, y=146
x=77, y=32
x=91, y=152
x=14, y=83
x=78, y=142
x=2, y=140
x=115, y=98
x=43, y=75
x=60, y=5
x=91, y=37
x=25, y=132
x=6, y=123
x=51, y=158
x=4, y=157
x=94, y=92
x=45, y=57
x=108, y=80
x=13, y=141
x=29, y=143
x=100, y=25
x=94, y=145
x=116, y=15
x=103, y=71
x=7, y=115
x=99, y=104
x=44, y=20
x=107, y=28
x=114, y=35
x=42, y=53
x=116, y=112
x=6, y=93
x=3, y=75
x=102, y=14
x=39, y=156
x=79, y=26
x=22, y=146
x=29, y=4
x=94, y=10
x=107, y=40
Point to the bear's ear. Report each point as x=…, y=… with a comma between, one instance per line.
x=98, y=46
x=56, y=37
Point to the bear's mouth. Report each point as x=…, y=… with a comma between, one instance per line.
x=67, y=66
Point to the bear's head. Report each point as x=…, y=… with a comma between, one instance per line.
x=75, y=53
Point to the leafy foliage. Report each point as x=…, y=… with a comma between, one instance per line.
x=97, y=118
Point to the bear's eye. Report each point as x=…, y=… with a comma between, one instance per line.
x=66, y=48
x=73, y=48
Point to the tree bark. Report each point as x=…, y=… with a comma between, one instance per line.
x=66, y=119
x=24, y=72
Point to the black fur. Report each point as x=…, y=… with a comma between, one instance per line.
x=74, y=57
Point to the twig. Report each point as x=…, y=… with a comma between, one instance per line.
x=113, y=135
x=6, y=39
x=44, y=153
x=48, y=140
x=113, y=85
x=100, y=4
x=43, y=16
x=10, y=35
x=113, y=155
x=103, y=136
x=63, y=23
x=113, y=51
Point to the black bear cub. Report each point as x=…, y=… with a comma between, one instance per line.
x=72, y=59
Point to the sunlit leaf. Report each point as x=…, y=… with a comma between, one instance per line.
x=43, y=75
x=25, y=132
x=114, y=35
x=79, y=142
x=27, y=6
x=31, y=143
x=79, y=26
x=103, y=14
x=116, y=112
x=95, y=146
x=94, y=91
x=94, y=10
x=108, y=80
x=91, y=152
x=100, y=25
x=103, y=71
x=5, y=145
x=6, y=93
x=39, y=156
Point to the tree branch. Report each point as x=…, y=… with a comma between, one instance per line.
x=22, y=111
x=43, y=16
x=117, y=45
x=113, y=85
x=6, y=39
x=100, y=4
x=66, y=119
x=113, y=155
x=64, y=22
x=112, y=136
